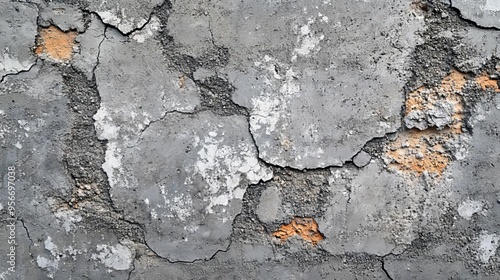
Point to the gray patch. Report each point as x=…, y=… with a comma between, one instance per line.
x=362, y=159
x=63, y=16
x=268, y=208
x=318, y=100
x=127, y=16
x=190, y=189
x=18, y=30
x=89, y=43
x=485, y=13
x=439, y=116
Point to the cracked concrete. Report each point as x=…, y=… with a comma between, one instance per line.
x=249, y=139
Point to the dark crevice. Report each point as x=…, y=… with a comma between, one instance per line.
x=385, y=270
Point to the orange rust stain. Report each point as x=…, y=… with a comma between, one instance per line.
x=485, y=82
x=55, y=43
x=307, y=228
x=416, y=151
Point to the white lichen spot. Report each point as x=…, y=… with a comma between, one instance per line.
x=488, y=244
x=469, y=207
x=117, y=257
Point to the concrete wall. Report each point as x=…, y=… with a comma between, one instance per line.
x=263, y=139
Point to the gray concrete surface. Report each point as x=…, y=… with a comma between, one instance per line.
x=249, y=139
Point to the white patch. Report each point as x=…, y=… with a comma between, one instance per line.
x=180, y=205
x=117, y=257
x=469, y=207
x=18, y=145
x=11, y=65
x=269, y=108
x=488, y=244
x=148, y=31
x=146, y=200
x=491, y=5
x=191, y=228
x=308, y=42
x=124, y=24
x=154, y=215
x=68, y=219
x=51, y=247
x=43, y=262
x=222, y=167
x=113, y=163
x=106, y=130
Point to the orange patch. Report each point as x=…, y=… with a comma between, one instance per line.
x=454, y=82
x=55, y=43
x=416, y=151
x=307, y=228
x=485, y=82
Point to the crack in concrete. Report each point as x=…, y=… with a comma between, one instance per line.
x=21, y=71
x=385, y=270
x=126, y=34
x=99, y=54
x=29, y=237
x=469, y=21
x=133, y=268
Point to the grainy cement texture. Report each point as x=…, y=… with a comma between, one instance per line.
x=264, y=139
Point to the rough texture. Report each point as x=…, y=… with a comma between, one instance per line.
x=259, y=139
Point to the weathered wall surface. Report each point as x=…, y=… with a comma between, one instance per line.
x=263, y=139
